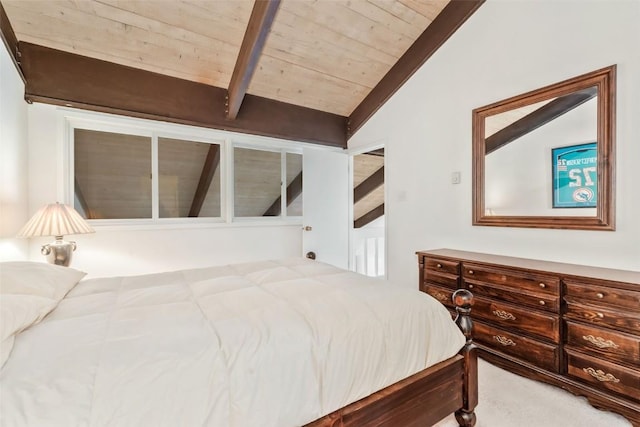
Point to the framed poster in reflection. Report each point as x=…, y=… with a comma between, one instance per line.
x=575, y=176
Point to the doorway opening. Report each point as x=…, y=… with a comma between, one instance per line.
x=368, y=230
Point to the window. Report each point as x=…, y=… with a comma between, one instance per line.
x=112, y=175
x=147, y=174
x=259, y=185
x=189, y=184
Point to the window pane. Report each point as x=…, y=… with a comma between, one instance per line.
x=294, y=184
x=112, y=175
x=189, y=183
x=257, y=177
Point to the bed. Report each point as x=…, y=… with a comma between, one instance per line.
x=290, y=342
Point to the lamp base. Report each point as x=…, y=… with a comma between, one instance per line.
x=59, y=252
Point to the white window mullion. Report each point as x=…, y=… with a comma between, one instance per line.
x=69, y=168
x=155, y=179
x=229, y=184
x=222, y=167
x=283, y=185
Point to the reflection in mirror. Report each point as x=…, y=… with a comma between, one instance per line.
x=545, y=158
x=518, y=164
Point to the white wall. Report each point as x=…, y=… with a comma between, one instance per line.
x=504, y=49
x=13, y=160
x=127, y=250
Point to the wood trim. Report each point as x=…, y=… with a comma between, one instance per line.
x=372, y=215
x=10, y=41
x=294, y=189
x=538, y=118
x=374, y=181
x=63, y=78
x=260, y=22
x=206, y=176
x=443, y=26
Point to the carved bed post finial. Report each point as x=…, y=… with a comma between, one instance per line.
x=463, y=299
x=466, y=417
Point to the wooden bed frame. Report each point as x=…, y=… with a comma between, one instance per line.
x=426, y=397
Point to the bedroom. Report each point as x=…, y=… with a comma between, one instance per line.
x=504, y=49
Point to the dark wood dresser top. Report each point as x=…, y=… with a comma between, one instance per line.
x=576, y=270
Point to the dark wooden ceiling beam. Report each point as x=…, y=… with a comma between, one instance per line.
x=443, y=26
x=537, y=118
x=209, y=168
x=10, y=40
x=64, y=78
x=372, y=182
x=262, y=16
x=379, y=152
x=370, y=216
x=294, y=189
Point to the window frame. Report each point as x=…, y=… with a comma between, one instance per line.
x=228, y=141
x=283, y=182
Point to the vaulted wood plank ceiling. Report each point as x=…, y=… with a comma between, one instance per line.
x=316, y=69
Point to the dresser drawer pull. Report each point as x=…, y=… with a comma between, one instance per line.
x=505, y=315
x=504, y=340
x=600, y=315
x=542, y=302
x=439, y=265
x=600, y=342
x=600, y=375
x=471, y=271
x=542, y=285
x=440, y=296
x=600, y=295
x=470, y=286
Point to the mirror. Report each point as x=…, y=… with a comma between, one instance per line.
x=545, y=159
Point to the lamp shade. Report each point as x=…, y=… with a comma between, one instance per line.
x=55, y=219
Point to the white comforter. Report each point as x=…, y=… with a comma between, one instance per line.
x=262, y=344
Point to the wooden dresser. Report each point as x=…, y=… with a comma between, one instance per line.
x=574, y=326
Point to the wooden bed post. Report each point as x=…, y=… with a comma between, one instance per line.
x=466, y=417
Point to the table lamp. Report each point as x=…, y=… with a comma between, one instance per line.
x=56, y=220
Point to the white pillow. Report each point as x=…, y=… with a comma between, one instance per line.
x=28, y=292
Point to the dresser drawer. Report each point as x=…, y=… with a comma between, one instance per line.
x=583, y=289
x=605, y=343
x=442, y=272
x=603, y=374
x=623, y=319
x=441, y=294
x=534, y=322
x=517, y=280
x=543, y=301
x=442, y=266
x=538, y=353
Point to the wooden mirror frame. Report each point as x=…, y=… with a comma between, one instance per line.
x=604, y=79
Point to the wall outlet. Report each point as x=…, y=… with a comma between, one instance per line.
x=455, y=177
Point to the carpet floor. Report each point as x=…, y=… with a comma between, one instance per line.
x=507, y=400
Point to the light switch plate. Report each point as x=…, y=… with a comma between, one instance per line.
x=455, y=177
